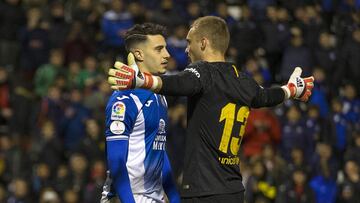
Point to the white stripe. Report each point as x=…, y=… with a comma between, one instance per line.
x=166, y=104
x=157, y=100
x=137, y=151
x=137, y=101
x=117, y=137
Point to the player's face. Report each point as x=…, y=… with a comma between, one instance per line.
x=193, y=48
x=155, y=54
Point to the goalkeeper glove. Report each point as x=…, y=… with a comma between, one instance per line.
x=130, y=77
x=297, y=87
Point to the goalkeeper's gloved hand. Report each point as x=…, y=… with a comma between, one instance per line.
x=129, y=76
x=298, y=87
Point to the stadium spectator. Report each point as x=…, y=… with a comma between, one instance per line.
x=353, y=149
x=42, y=178
x=73, y=122
x=326, y=54
x=92, y=146
x=297, y=189
x=262, y=129
x=320, y=92
x=177, y=44
x=35, y=44
x=20, y=191
x=294, y=134
x=260, y=185
x=324, y=185
x=94, y=186
x=57, y=26
x=275, y=36
x=47, y=73
x=6, y=110
x=114, y=23
x=12, y=18
x=349, y=60
x=245, y=36
x=47, y=146
x=349, y=188
x=77, y=45
x=296, y=54
x=351, y=105
x=49, y=195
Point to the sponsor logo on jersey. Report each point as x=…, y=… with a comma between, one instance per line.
x=117, y=127
x=193, y=70
x=159, y=142
x=162, y=126
x=160, y=139
x=118, y=111
x=122, y=97
x=148, y=103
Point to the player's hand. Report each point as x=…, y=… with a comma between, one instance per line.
x=129, y=76
x=298, y=87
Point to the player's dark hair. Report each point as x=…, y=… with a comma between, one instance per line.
x=138, y=33
x=215, y=29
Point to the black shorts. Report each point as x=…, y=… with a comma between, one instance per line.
x=221, y=198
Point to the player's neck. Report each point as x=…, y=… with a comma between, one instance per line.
x=214, y=58
x=211, y=55
x=143, y=68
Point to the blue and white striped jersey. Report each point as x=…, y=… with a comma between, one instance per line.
x=140, y=117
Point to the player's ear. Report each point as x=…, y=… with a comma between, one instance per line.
x=203, y=43
x=138, y=54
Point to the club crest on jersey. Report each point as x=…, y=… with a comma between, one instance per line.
x=118, y=111
x=162, y=126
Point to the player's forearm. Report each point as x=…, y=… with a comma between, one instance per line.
x=122, y=184
x=168, y=182
x=269, y=97
x=118, y=170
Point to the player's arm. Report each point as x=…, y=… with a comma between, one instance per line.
x=168, y=182
x=185, y=83
x=296, y=88
x=267, y=97
x=116, y=157
x=120, y=118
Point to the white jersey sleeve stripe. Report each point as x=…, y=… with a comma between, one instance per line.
x=117, y=137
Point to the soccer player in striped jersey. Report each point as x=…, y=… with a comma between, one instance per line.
x=136, y=121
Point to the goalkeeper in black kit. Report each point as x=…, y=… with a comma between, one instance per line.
x=220, y=98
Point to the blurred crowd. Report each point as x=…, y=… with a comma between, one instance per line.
x=54, y=56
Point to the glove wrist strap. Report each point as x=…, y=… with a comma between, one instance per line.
x=290, y=90
x=150, y=82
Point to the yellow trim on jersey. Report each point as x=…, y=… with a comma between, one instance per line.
x=235, y=69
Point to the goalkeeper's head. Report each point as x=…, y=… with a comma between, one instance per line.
x=208, y=39
x=147, y=43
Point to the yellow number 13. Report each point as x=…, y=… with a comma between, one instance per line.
x=228, y=114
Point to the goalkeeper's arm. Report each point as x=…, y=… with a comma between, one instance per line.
x=130, y=77
x=187, y=83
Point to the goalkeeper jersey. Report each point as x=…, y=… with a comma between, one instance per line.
x=219, y=102
x=139, y=117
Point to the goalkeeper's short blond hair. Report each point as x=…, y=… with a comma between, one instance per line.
x=215, y=30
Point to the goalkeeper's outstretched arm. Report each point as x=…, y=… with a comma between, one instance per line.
x=188, y=83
